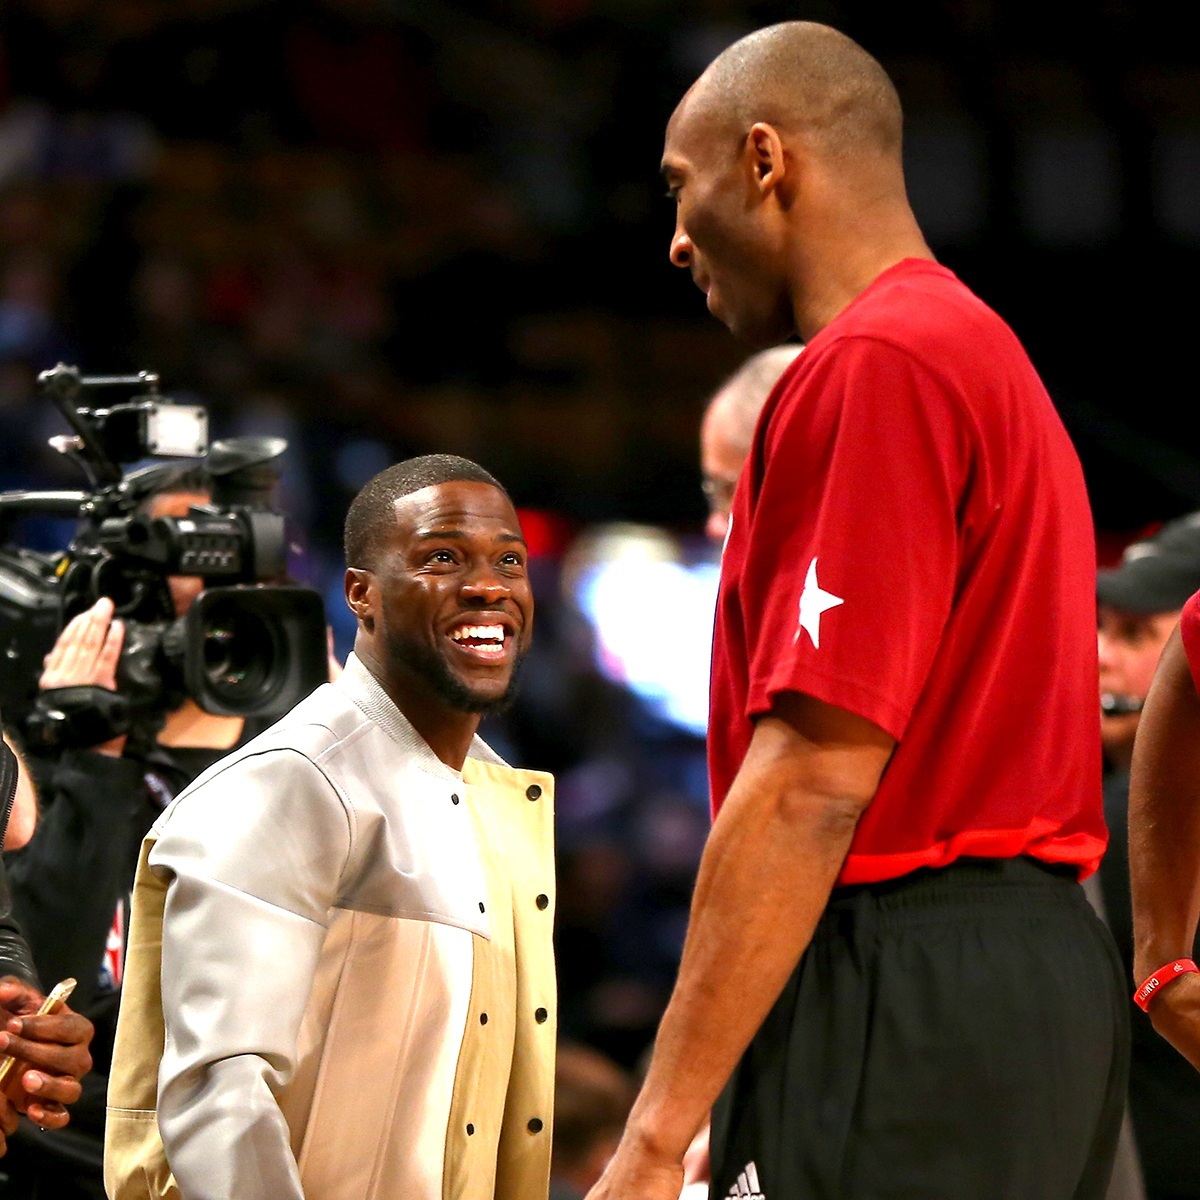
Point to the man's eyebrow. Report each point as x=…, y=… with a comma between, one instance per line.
x=429, y=535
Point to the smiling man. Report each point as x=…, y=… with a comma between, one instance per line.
x=891, y=978
x=354, y=995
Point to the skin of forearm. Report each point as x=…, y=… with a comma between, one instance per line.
x=1164, y=818
x=765, y=878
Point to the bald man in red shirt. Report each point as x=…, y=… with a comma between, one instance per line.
x=891, y=976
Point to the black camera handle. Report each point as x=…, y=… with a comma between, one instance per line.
x=64, y=385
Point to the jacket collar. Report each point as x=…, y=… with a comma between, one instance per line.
x=361, y=687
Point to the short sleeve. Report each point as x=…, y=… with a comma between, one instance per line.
x=1189, y=631
x=852, y=557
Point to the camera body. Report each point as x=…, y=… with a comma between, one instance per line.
x=251, y=644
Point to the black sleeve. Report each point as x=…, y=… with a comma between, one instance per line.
x=79, y=862
x=14, y=953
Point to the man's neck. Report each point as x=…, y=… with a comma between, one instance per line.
x=447, y=731
x=831, y=271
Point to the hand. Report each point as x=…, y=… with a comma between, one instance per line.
x=1175, y=1014
x=53, y=1054
x=638, y=1172
x=86, y=654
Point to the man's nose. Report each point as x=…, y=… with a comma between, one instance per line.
x=717, y=525
x=1104, y=649
x=484, y=586
x=681, y=248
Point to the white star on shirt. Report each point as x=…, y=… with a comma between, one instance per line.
x=813, y=602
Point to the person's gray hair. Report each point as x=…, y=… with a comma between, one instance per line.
x=742, y=396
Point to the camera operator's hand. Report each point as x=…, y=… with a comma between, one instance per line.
x=53, y=1054
x=86, y=653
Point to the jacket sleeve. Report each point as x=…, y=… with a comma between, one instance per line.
x=252, y=856
x=14, y=953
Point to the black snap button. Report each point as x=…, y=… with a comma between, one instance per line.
x=540, y=1015
x=542, y=901
x=454, y=798
x=470, y=1130
x=481, y=908
x=535, y=1126
x=533, y=792
x=483, y=1018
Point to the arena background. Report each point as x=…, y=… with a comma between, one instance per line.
x=385, y=228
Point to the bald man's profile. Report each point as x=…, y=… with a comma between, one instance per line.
x=892, y=983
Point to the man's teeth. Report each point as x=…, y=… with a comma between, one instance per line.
x=479, y=633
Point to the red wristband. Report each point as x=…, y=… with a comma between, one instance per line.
x=1164, y=975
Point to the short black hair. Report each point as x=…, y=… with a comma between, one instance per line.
x=375, y=503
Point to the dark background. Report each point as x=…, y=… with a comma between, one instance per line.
x=384, y=228
x=440, y=224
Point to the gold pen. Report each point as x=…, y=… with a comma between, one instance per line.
x=52, y=1001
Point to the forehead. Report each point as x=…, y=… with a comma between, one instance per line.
x=1108, y=614
x=176, y=504
x=462, y=506
x=695, y=129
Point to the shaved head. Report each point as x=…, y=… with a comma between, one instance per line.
x=785, y=166
x=806, y=78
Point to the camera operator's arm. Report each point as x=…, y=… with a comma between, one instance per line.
x=67, y=881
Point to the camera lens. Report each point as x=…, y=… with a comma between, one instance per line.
x=241, y=656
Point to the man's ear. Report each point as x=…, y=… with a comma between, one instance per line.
x=359, y=597
x=764, y=157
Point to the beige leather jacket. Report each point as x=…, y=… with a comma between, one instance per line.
x=340, y=982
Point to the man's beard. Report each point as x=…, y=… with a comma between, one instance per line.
x=425, y=662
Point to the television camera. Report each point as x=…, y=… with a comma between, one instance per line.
x=251, y=644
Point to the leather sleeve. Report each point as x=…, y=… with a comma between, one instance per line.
x=14, y=953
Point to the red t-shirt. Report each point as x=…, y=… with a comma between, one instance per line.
x=1189, y=631
x=912, y=541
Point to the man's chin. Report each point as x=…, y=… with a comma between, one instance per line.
x=486, y=697
x=451, y=687
x=752, y=329
x=487, y=702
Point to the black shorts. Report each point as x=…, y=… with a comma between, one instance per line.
x=959, y=1034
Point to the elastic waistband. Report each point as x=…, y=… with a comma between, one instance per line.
x=996, y=884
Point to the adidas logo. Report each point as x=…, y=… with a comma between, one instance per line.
x=747, y=1187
